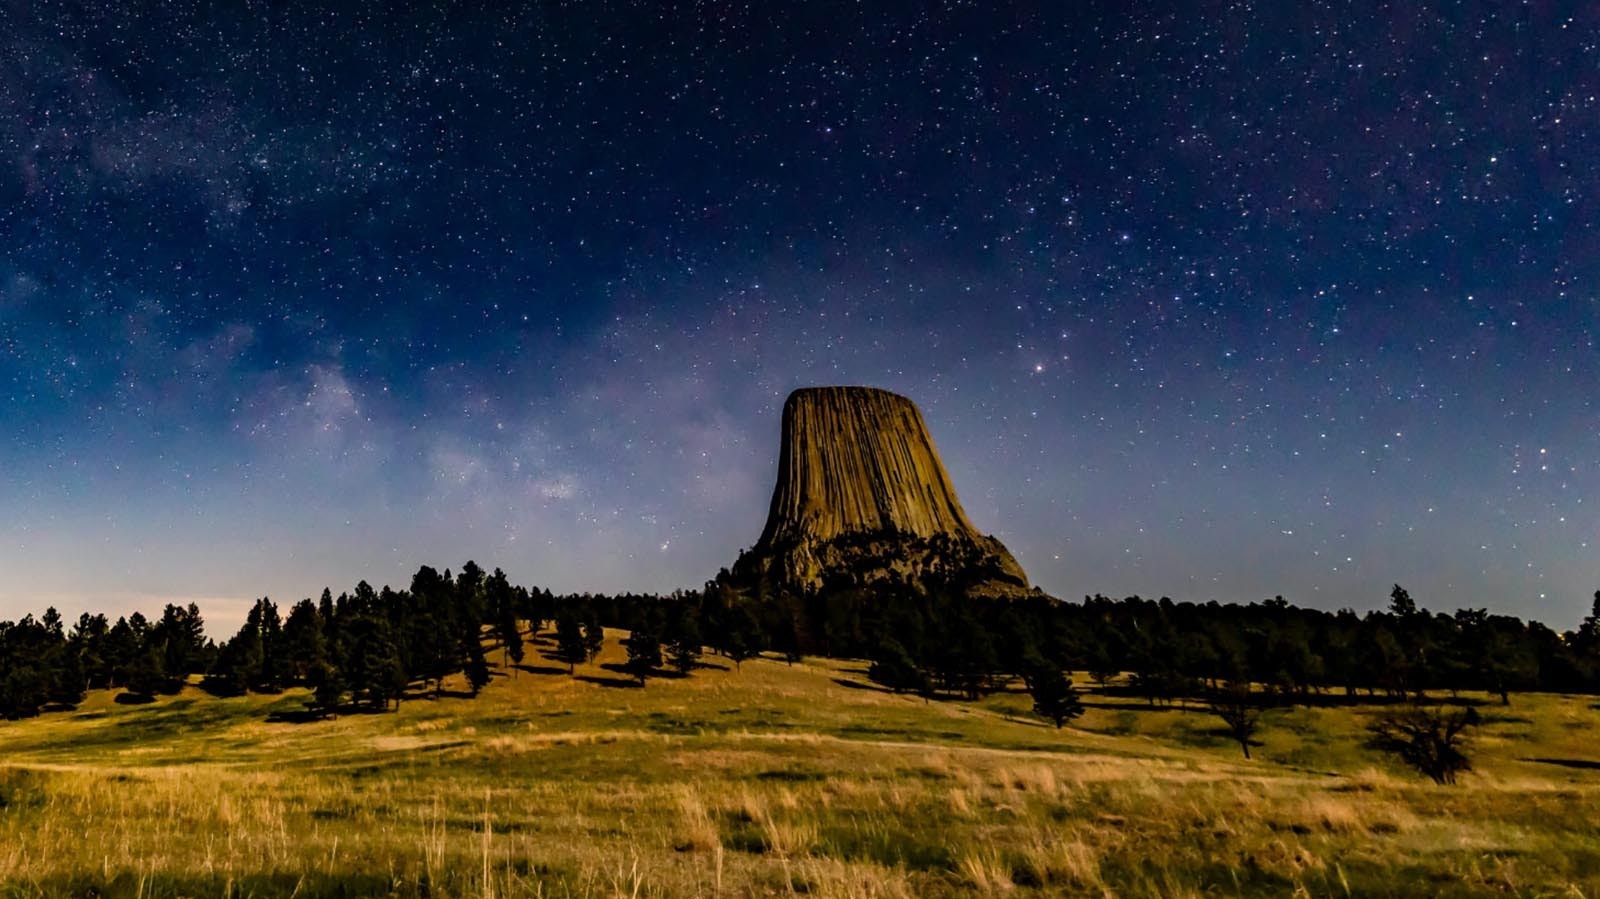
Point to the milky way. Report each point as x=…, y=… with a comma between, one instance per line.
x=1251, y=299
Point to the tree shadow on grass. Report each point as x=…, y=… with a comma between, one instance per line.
x=310, y=715
x=297, y=716
x=664, y=672
x=861, y=685
x=542, y=669
x=429, y=694
x=1584, y=764
x=629, y=683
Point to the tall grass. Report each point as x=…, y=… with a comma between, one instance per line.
x=774, y=781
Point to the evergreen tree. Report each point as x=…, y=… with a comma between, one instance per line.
x=29, y=651
x=1054, y=696
x=683, y=650
x=644, y=653
x=1586, y=641
x=89, y=637
x=180, y=636
x=786, y=627
x=477, y=672
x=66, y=683
x=22, y=691
x=325, y=613
x=276, y=670
x=147, y=673
x=122, y=648
x=305, y=647
x=373, y=671
x=503, y=604
x=328, y=687
x=740, y=637
x=594, y=636
x=236, y=666
x=571, y=647
x=1102, y=668
x=1401, y=605
x=893, y=667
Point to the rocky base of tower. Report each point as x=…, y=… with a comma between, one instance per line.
x=976, y=566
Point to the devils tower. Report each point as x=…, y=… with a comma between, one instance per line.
x=862, y=498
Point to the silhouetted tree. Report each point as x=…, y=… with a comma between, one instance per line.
x=1232, y=703
x=740, y=637
x=328, y=687
x=304, y=646
x=503, y=603
x=683, y=648
x=1054, y=697
x=893, y=667
x=1432, y=741
x=372, y=666
x=180, y=638
x=594, y=637
x=644, y=653
x=146, y=675
x=570, y=645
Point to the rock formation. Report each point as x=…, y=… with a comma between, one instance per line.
x=862, y=497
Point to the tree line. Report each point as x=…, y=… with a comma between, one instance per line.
x=370, y=648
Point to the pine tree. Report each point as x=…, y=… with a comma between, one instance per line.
x=684, y=649
x=374, y=671
x=328, y=687
x=570, y=645
x=236, y=665
x=740, y=637
x=477, y=672
x=502, y=602
x=147, y=674
x=325, y=614
x=123, y=647
x=1054, y=696
x=89, y=636
x=304, y=646
x=22, y=691
x=1587, y=639
x=66, y=685
x=594, y=636
x=644, y=653
x=180, y=638
x=1401, y=605
x=894, y=668
x=276, y=671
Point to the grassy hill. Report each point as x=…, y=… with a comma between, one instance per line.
x=775, y=780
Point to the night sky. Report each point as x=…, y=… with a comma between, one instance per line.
x=1243, y=300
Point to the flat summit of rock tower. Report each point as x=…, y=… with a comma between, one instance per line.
x=862, y=497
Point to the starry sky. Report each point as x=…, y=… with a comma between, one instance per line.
x=1217, y=302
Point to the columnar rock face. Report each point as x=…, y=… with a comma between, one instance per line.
x=857, y=459
x=862, y=497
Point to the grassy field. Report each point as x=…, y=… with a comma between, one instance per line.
x=776, y=780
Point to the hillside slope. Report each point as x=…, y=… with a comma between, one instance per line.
x=771, y=780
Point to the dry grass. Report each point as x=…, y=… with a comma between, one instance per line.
x=776, y=781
